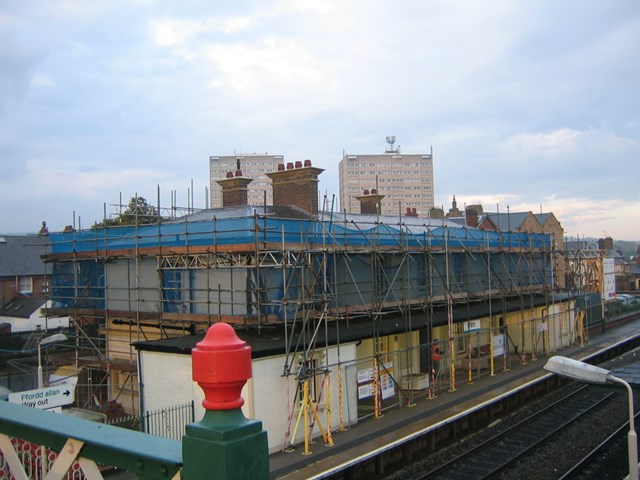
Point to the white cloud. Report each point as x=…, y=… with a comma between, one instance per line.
x=522, y=102
x=549, y=144
x=236, y=24
x=172, y=31
x=39, y=80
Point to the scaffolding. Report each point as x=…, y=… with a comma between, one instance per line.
x=268, y=267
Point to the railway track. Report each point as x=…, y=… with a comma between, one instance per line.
x=494, y=455
x=604, y=460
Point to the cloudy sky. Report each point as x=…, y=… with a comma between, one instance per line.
x=532, y=105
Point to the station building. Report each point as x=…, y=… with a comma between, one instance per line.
x=342, y=310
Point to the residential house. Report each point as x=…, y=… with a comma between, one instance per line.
x=22, y=271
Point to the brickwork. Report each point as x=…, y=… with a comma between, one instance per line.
x=370, y=202
x=296, y=187
x=234, y=191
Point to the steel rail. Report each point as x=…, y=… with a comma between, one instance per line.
x=491, y=456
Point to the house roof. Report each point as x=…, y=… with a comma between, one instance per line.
x=20, y=255
x=542, y=217
x=21, y=307
x=507, y=221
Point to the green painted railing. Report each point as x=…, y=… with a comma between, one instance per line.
x=147, y=456
x=224, y=445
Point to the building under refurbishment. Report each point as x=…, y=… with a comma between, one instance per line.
x=300, y=284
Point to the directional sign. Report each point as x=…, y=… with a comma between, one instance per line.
x=471, y=326
x=45, y=398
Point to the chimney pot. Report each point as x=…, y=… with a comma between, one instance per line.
x=280, y=167
x=229, y=174
x=366, y=192
x=298, y=164
x=374, y=191
x=414, y=210
x=238, y=173
x=296, y=187
x=307, y=163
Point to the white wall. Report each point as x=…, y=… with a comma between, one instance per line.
x=561, y=321
x=35, y=320
x=269, y=396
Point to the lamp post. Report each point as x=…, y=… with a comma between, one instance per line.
x=58, y=337
x=583, y=372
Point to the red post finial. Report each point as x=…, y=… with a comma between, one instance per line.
x=221, y=364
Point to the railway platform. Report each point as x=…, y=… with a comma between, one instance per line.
x=365, y=440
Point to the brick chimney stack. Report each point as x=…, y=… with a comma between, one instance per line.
x=471, y=215
x=370, y=202
x=296, y=185
x=234, y=189
x=435, y=212
x=605, y=243
x=411, y=212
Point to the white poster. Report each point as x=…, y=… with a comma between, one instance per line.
x=608, y=268
x=365, y=382
x=498, y=345
x=365, y=390
x=365, y=375
x=386, y=382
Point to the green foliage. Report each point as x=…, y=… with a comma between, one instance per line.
x=138, y=212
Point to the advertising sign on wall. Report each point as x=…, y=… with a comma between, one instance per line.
x=608, y=267
x=498, y=345
x=386, y=385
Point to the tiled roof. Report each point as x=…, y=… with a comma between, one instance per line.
x=21, y=307
x=507, y=221
x=20, y=255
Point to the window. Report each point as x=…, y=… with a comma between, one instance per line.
x=25, y=285
x=172, y=291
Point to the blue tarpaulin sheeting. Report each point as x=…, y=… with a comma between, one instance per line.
x=248, y=230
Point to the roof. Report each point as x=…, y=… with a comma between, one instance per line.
x=238, y=225
x=21, y=307
x=243, y=211
x=630, y=373
x=507, y=221
x=542, y=217
x=20, y=255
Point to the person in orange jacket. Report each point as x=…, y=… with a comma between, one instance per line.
x=435, y=355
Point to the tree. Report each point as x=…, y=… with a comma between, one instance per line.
x=138, y=212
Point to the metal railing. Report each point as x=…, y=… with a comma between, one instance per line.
x=169, y=422
x=82, y=442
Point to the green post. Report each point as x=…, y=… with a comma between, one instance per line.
x=224, y=445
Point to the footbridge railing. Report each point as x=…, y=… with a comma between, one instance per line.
x=40, y=445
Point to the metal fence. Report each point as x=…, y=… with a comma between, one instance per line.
x=168, y=422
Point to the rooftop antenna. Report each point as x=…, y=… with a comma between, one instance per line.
x=391, y=140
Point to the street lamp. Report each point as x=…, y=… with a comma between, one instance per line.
x=583, y=372
x=58, y=337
